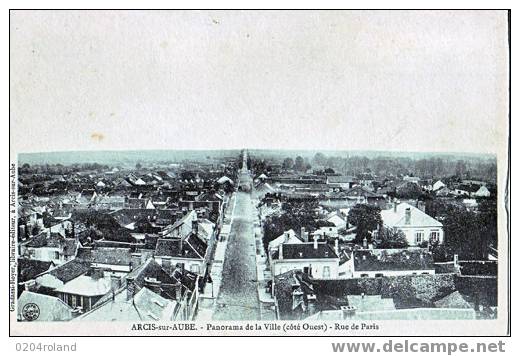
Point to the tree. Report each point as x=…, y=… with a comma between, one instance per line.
x=466, y=233
x=460, y=168
x=319, y=159
x=288, y=163
x=299, y=164
x=366, y=218
x=138, y=165
x=391, y=238
x=329, y=171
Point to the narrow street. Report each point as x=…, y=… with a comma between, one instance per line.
x=238, y=296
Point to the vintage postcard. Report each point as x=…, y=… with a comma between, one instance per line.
x=304, y=173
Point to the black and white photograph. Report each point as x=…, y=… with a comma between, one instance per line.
x=249, y=172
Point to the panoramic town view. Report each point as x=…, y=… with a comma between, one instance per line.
x=256, y=235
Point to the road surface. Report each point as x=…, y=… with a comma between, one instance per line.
x=238, y=296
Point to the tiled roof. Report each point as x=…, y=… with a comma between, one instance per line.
x=151, y=269
x=361, y=191
x=453, y=300
x=392, y=260
x=306, y=251
x=87, y=286
x=340, y=179
x=284, y=292
x=28, y=269
x=397, y=218
x=192, y=247
x=106, y=255
x=70, y=270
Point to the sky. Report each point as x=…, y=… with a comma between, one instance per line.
x=337, y=80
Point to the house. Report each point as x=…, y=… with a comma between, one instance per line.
x=371, y=263
x=288, y=237
x=438, y=185
x=62, y=274
x=28, y=270
x=294, y=296
x=412, y=179
x=366, y=179
x=148, y=293
x=205, y=229
x=483, y=191
x=261, y=177
x=85, y=290
x=325, y=229
x=466, y=189
x=443, y=192
x=144, y=305
x=363, y=195
x=315, y=258
x=180, y=285
x=111, y=259
x=51, y=247
x=189, y=251
x=50, y=308
x=417, y=226
x=347, y=313
x=338, y=219
x=345, y=182
x=299, y=296
x=182, y=227
x=225, y=180
x=262, y=188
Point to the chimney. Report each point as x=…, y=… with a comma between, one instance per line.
x=302, y=233
x=178, y=292
x=395, y=207
x=336, y=246
x=130, y=288
x=286, y=237
x=115, y=282
x=365, y=243
x=280, y=252
x=407, y=216
x=347, y=311
x=311, y=304
x=195, y=227
x=135, y=260
x=456, y=260
x=315, y=242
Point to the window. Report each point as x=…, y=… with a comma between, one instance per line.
x=435, y=236
x=195, y=268
x=364, y=275
x=326, y=272
x=56, y=255
x=379, y=275
x=419, y=237
x=73, y=301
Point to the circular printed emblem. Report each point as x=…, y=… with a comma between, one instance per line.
x=31, y=311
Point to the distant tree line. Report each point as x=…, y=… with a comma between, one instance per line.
x=435, y=166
